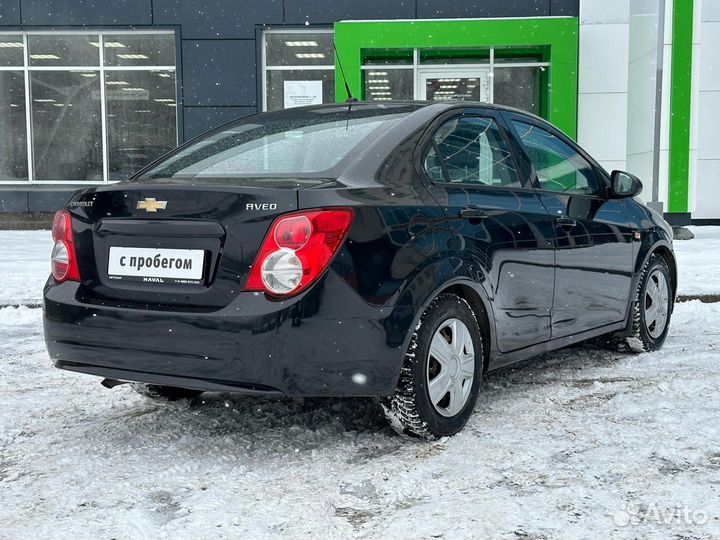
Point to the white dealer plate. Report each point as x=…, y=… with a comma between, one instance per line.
x=175, y=264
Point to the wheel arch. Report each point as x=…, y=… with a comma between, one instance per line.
x=472, y=297
x=635, y=327
x=653, y=244
x=669, y=257
x=476, y=297
x=663, y=248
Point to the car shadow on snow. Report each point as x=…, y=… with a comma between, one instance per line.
x=289, y=424
x=262, y=426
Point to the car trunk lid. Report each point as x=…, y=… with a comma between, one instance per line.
x=167, y=246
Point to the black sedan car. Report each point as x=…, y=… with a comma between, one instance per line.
x=398, y=250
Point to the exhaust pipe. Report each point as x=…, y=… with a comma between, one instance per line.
x=111, y=383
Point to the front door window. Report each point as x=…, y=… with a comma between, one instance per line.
x=558, y=166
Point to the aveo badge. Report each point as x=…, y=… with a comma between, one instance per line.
x=261, y=206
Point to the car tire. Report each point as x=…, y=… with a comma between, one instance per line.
x=438, y=359
x=164, y=393
x=651, y=307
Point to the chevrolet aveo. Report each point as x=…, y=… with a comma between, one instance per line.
x=398, y=250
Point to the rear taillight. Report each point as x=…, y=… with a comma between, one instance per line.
x=297, y=250
x=63, y=261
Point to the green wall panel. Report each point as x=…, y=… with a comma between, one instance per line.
x=558, y=34
x=680, y=98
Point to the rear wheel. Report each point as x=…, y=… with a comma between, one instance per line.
x=165, y=393
x=652, y=307
x=441, y=374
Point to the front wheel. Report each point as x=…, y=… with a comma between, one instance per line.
x=651, y=307
x=441, y=374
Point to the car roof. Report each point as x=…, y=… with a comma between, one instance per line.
x=414, y=115
x=392, y=107
x=415, y=111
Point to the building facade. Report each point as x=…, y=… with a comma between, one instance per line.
x=91, y=91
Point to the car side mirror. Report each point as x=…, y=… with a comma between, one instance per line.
x=625, y=184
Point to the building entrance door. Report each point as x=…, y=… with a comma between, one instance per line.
x=467, y=83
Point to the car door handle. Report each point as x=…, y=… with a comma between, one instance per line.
x=473, y=212
x=565, y=221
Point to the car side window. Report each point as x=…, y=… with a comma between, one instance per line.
x=558, y=165
x=471, y=150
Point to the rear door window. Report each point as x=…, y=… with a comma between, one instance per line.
x=471, y=150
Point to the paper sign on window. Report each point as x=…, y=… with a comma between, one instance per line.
x=300, y=93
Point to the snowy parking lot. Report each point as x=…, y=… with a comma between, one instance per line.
x=581, y=443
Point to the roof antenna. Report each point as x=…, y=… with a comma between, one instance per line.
x=350, y=98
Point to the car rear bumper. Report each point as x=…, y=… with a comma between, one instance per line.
x=327, y=342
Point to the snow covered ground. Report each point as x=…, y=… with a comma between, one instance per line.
x=699, y=262
x=581, y=443
x=29, y=251
x=24, y=266
x=571, y=445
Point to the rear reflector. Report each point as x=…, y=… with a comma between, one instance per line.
x=293, y=232
x=298, y=249
x=63, y=261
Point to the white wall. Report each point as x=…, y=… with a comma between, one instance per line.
x=705, y=133
x=603, y=80
x=617, y=71
x=642, y=90
x=616, y=81
x=665, y=106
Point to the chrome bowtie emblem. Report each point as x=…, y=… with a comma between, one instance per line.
x=151, y=205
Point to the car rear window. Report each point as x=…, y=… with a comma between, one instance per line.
x=276, y=145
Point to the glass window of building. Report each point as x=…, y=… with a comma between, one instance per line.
x=388, y=74
x=98, y=105
x=388, y=83
x=520, y=87
x=514, y=77
x=299, y=68
x=66, y=125
x=140, y=118
x=63, y=50
x=13, y=128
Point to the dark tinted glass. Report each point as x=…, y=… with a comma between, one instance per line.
x=388, y=84
x=471, y=150
x=559, y=167
x=13, y=138
x=518, y=87
x=66, y=127
x=141, y=123
x=64, y=50
x=139, y=50
x=12, y=50
x=299, y=49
